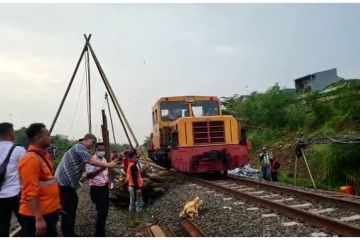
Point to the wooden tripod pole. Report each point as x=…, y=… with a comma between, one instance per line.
x=113, y=97
x=70, y=83
x=111, y=121
x=105, y=135
x=296, y=163
x=87, y=64
x=307, y=166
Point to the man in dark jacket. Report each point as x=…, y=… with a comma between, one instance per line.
x=274, y=167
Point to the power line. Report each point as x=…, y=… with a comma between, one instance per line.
x=136, y=102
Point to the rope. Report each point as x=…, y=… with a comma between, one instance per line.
x=326, y=139
x=303, y=142
x=77, y=103
x=111, y=120
x=135, y=102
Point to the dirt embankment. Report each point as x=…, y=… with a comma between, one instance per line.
x=284, y=151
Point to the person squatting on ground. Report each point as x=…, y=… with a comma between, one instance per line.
x=135, y=182
x=68, y=174
x=9, y=177
x=265, y=157
x=99, y=189
x=40, y=201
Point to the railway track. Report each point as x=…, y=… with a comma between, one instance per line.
x=330, y=214
x=315, y=213
x=340, y=199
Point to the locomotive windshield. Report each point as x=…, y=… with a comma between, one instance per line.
x=171, y=111
x=205, y=108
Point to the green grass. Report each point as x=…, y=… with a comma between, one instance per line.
x=304, y=182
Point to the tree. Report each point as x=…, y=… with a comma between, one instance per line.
x=119, y=147
x=267, y=109
x=20, y=137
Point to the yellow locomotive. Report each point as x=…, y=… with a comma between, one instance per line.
x=191, y=135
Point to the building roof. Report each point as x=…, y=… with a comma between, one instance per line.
x=313, y=75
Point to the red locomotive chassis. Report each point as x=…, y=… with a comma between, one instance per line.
x=201, y=159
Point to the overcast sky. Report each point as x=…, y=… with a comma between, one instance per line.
x=153, y=50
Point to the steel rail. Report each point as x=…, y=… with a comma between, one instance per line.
x=191, y=229
x=328, y=224
x=302, y=193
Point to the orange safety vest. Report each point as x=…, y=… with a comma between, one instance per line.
x=130, y=179
x=37, y=180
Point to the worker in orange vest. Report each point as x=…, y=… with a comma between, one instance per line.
x=40, y=200
x=125, y=161
x=135, y=182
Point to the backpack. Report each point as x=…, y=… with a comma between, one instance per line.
x=3, y=166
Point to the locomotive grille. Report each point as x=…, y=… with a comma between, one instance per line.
x=208, y=132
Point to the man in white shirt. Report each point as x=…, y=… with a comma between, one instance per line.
x=99, y=190
x=10, y=186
